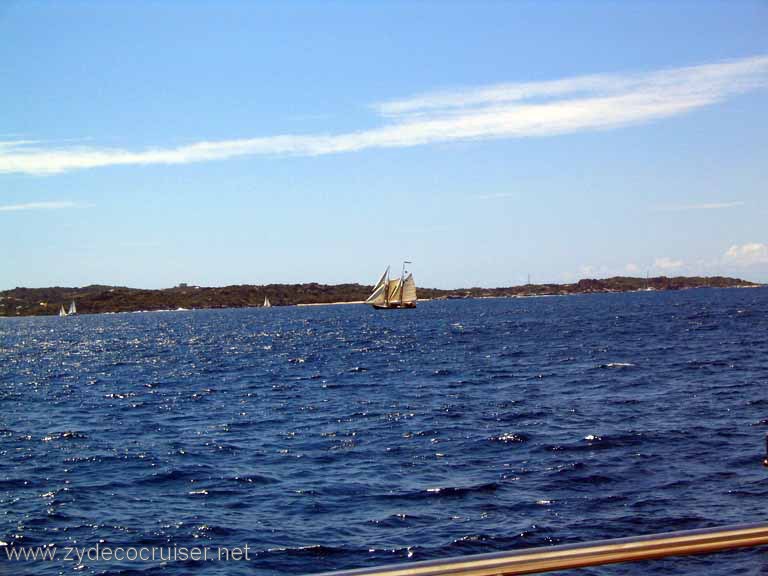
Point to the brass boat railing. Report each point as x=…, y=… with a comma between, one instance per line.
x=552, y=558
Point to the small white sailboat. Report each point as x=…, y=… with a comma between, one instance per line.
x=266, y=302
x=394, y=293
x=62, y=312
x=648, y=287
x=72, y=309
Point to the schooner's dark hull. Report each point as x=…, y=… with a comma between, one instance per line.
x=394, y=305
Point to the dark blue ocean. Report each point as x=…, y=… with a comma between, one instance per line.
x=338, y=436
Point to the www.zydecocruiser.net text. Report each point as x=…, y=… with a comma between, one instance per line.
x=101, y=553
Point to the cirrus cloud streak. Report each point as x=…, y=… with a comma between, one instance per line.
x=705, y=206
x=502, y=111
x=58, y=205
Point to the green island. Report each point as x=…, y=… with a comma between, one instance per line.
x=99, y=299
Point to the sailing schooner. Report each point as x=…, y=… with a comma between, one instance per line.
x=394, y=293
x=267, y=303
x=62, y=312
x=72, y=309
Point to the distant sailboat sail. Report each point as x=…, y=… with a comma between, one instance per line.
x=266, y=302
x=62, y=312
x=72, y=308
x=394, y=293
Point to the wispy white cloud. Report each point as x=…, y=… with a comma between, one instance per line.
x=706, y=206
x=139, y=244
x=632, y=268
x=667, y=263
x=598, y=271
x=710, y=82
x=11, y=144
x=494, y=196
x=37, y=206
x=500, y=111
x=747, y=254
x=606, y=270
x=427, y=229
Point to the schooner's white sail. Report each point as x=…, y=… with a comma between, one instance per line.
x=409, y=290
x=62, y=312
x=383, y=280
x=378, y=296
x=267, y=303
x=394, y=289
x=72, y=308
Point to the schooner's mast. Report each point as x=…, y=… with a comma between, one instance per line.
x=402, y=281
x=386, y=290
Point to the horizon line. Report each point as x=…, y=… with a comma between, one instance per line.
x=201, y=287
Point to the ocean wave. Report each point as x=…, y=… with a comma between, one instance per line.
x=308, y=550
x=617, y=365
x=67, y=435
x=257, y=479
x=445, y=492
x=175, y=475
x=509, y=437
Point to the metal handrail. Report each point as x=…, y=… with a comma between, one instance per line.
x=546, y=559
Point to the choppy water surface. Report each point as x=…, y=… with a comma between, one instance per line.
x=336, y=437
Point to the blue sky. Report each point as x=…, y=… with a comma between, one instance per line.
x=151, y=143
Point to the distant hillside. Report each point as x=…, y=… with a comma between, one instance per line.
x=96, y=299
